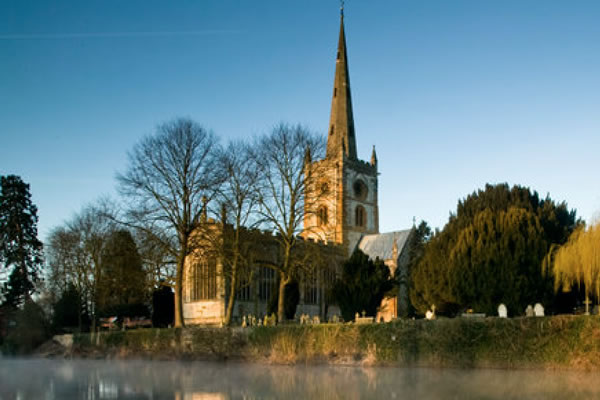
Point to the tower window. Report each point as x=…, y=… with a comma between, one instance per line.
x=331, y=130
x=338, y=55
x=322, y=216
x=360, y=189
x=334, y=92
x=324, y=188
x=360, y=216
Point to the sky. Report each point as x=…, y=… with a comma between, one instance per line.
x=453, y=94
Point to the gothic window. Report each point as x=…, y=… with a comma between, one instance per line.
x=266, y=283
x=360, y=189
x=311, y=289
x=322, y=216
x=324, y=188
x=244, y=290
x=360, y=216
x=204, y=278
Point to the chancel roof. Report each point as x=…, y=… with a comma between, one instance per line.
x=382, y=244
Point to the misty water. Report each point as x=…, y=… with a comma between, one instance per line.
x=84, y=379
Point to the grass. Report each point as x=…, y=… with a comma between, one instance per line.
x=571, y=342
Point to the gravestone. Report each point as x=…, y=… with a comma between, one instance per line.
x=430, y=314
x=502, y=311
x=529, y=311
x=538, y=310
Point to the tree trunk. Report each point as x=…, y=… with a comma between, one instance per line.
x=179, y=322
x=285, y=278
x=231, y=300
x=281, y=299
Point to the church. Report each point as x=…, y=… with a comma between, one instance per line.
x=343, y=217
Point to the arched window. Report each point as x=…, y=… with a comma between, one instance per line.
x=322, y=216
x=204, y=275
x=360, y=216
x=360, y=189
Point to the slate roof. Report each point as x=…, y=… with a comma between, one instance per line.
x=382, y=244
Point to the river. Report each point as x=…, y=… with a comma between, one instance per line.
x=35, y=379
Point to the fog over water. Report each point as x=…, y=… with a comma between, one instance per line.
x=26, y=379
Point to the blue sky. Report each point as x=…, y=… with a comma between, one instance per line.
x=453, y=94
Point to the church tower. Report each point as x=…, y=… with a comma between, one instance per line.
x=341, y=192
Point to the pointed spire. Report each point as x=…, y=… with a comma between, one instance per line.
x=373, y=157
x=341, y=137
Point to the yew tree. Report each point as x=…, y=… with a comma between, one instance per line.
x=362, y=286
x=491, y=251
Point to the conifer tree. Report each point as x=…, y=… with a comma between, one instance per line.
x=362, y=286
x=491, y=252
x=20, y=249
x=121, y=288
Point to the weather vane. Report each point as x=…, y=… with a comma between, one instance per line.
x=342, y=7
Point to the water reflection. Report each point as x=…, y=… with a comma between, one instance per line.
x=91, y=380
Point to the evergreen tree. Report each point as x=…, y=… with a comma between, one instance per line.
x=362, y=286
x=122, y=282
x=491, y=252
x=20, y=249
x=67, y=310
x=416, y=250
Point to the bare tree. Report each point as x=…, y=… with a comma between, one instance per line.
x=281, y=159
x=238, y=199
x=168, y=175
x=154, y=248
x=74, y=254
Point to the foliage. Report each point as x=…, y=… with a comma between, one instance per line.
x=162, y=307
x=416, y=249
x=491, y=252
x=577, y=262
x=563, y=342
x=67, y=310
x=170, y=176
x=30, y=330
x=20, y=249
x=362, y=286
x=122, y=282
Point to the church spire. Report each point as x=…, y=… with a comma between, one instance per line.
x=341, y=138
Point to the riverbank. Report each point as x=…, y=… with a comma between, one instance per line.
x=563, y=342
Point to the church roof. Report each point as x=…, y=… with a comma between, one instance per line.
x=382, y=244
